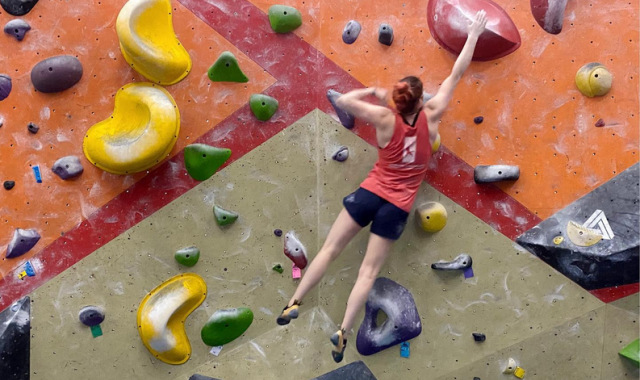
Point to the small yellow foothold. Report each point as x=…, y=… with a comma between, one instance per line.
x=436, y=145
x=519, y=373
x=558, y=240
x=431, y=216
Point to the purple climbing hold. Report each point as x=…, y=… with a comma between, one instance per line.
x=385, y=34
x=8, y=185
x=403, y=321
x=56, y=74
x=345, y=118
x=478, y=119
x=341, y=154
x=17, y=28
x=277, y=232
x=5, y=86
x=33, y=128
x=91, y=316
x=22, y=242
x=68, y=167
x=351, y=32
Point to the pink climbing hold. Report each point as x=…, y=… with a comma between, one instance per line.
x=294, y=250
x=449, y=20
x=549, y=14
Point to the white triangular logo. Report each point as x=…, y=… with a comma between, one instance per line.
x=598, y=221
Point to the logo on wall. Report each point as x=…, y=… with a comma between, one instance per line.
x=409, y=152
x=598, y=221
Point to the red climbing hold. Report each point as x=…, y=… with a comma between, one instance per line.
x=294, y=250
x=549, y=14
x=449, y=20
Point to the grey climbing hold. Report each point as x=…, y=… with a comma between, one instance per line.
x=68, y=167
x=351, y=32
x=56, y=74
x=345, y=118
x=18, y=7
x=8, y=185
x=33, y=128
x=91, y=316
x=495, y=173
x=5, y=86
x=15, y=340
x=478, y=119
x=341, y=154
x=352, y=371
x=22, y=242
x=463, y=261
x=17, y=28
x=385, y=34
x=479, y=337
x=201, y=377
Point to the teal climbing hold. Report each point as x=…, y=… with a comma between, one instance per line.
x=263, y=106
x=284, y=18
x=226, y=325
x=202, y=161
x=224, y=217
x=188, y=256
x=632, y=352
x=227, y=69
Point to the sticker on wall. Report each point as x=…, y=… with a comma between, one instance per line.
x=598, y=221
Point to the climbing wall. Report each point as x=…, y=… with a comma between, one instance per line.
x=559, y=310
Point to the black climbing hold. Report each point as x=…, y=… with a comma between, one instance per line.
x=18, y=7
x=352, y=371
x=476, y=378
x=17, y=28
x=33, y=128
x=612, y=210
x=68, y=167
x=463, y=261
x=341, y=154
x=5, y=86
x=478, y=119
x=345, y=118
x=56, y=74
x=201, y=377
x=8, y=185
x=91, y=316
x=495, y=173
x=22, y=242
x=15, y=340
x=277, y=232
x=479, y=337
x=385, y=34
x=351, y=32
x=403, y=321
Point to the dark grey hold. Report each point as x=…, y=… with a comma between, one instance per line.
x=385, y=34
x=345, y=118
x=478, y=119
x=341, y=154
x=476, y=378
x=463, y=261
x=33, y=128
x=18, y=7
x=56, y=74
x=91, y=316
x=201, y=377
x=68, y=167
x=22, y=242
x=479, y=337
x=5, y=86
x=495, y=173
x=17, y=28
x=351, y=32
x=8, y=185
x=277, y=232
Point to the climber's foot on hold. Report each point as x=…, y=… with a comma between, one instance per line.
x=288, y=313
x=339, y=344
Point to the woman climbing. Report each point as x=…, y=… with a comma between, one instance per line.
x=384, y=199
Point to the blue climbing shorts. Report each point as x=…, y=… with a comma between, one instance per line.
x=387, y=220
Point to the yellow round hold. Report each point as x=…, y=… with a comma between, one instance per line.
x=431, y=216
x=436, y=145
x=593, y=79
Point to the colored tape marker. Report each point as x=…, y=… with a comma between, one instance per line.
x=36, y=172
x=404, y=349
x=295, y=272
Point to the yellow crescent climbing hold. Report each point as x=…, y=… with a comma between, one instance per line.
x=582, y=236
x=148, y=42
x=436, y=145
x=139, y=134
x=162, y=313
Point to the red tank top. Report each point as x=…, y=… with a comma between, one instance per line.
x=402, y=164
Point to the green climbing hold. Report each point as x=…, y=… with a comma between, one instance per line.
x=632, y=352
x=226, y=325
x=227, y=69
x=263, y=106
x=284, y=19
x=278, y=268
x=202, y=161
x=188, y=256
x=224, y=217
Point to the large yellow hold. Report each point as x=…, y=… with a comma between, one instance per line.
x=162, y=313
x=593, y=79
x=140, y=133
x=148, y=42
x=431, y=216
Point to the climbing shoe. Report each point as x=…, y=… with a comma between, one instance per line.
x=288, y=313
x=339, y=345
